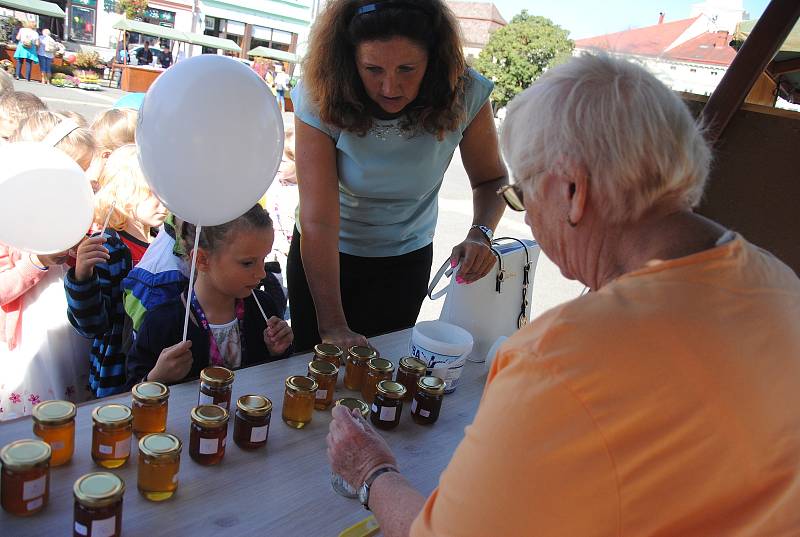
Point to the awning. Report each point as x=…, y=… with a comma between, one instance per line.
x=213, y=42
x=37, y=7
x=275, y=54
x=785, y=66
x=153, y=30
x=743, y=29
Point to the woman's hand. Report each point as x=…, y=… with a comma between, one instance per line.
x=343, y=337
x=355, y=449
x=91, y=252
x=173, y=364
x=277, y=336
x=475, y=256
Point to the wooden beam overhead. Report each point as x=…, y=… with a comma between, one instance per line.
x=781, y=68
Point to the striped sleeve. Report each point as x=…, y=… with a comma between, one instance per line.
x=86, y=307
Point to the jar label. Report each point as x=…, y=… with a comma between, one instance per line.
x=105, y=450
x=205, y=399
x=388, y=413
x=209, y=446
x=104, y=528
x=414, y=405
x=424, y=413
x=80, y=529
x=35, y=504
x=259, y=434
x=322, y=394
x=374, y=407
x=33, y=489
x=58, y=444
x=122, y=450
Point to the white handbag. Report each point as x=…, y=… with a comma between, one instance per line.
x=498, y=304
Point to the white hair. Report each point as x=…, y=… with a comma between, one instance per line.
x=6, y=82
x=613, y=120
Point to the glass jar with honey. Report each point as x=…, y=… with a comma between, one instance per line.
x=378, y=369
x=111, y=435
x=149, y=405
x=356, y=366
x=409, y=372
x=98, y=505
x=54, y=422
x=325, y=374
x=428, y=400
x=208, y=434
x=328, y=352
x=216, y=386
x=159, y=462
x=337, y=482
x=25, y=480
x=388, y=404
x=251, y=424
x=298, y=401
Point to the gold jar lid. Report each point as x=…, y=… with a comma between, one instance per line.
x=327, y=349
x=25, y=454
x=352, y=403
x=300, y=383
x=160, y=445
x=216, y=376
x=53, y=412
x=410, y=363
x=210, y=416
x=321, y=367
x=150, y=392
x=98, y=489
x=380, y=364
x=114, y=415
x=391, y=389
x=254, y=405
x=431, y=385
x=361, y=353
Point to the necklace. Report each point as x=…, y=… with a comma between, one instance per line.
x=384, y=131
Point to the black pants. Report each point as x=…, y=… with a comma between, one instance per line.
x=379, y=294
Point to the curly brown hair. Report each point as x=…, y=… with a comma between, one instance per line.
x=330, y=75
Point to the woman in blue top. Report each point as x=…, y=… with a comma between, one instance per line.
x=385, y=100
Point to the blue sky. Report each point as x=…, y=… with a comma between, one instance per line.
x=587, y=18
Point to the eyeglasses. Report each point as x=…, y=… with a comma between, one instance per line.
x=512, y=195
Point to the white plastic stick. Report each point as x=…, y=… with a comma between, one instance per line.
x=259, y=306
x=191, y=280
x=108, y=217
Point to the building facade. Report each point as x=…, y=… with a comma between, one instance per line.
x=478, y=20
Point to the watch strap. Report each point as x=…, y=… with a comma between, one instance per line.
x=485, y=230
x=371, y=479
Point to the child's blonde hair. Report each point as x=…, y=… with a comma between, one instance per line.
x=114, y=128
x=76, y=117
x=15, y=106
x=122, y=184
x=79, y=143
x=6, y=82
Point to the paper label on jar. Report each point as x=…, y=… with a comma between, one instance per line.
x=209, y=446
x=33, y=489
x=322, y=394
x=105, y=450
x=205, y=399
x=259, y=434
x=58, y=444
x=35, y=504
x=104, y=528
x=414, y=405
x=80, y=529
x=374, y=407
x=123, y=449
x=388, y=413
x=175, y=478
x=424, y=413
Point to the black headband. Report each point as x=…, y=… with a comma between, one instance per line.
x=387, y=4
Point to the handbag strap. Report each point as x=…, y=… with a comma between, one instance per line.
x=444, y=270
x=522, y=320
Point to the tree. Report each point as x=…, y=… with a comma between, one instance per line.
x=133, y=9
x=517, y=54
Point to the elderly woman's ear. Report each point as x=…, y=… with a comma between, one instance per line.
x=578, y=194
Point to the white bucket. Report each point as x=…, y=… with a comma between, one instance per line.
x=444, y=347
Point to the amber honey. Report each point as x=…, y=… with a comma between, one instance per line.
x=356, y=366
x=427, y=402
x=326, y=375
x=111, y=435
x=409, y=371
x=149, y=405
x=298, y=401
x=378, y=369
x=159, y=462
x=98, y=505
x=216, y=387
x=328, y=352
x=251, y=424
x=388, y=405
x=208, y=434
x=25, y=476
x=54, y=422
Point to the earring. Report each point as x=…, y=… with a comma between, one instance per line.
x=570, y=222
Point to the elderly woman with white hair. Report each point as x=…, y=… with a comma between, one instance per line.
x=665, y=402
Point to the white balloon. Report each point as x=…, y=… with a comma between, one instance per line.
x=46, y=201
x=210, y=139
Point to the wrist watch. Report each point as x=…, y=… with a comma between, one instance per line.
x=487, y=231
x=363, y=491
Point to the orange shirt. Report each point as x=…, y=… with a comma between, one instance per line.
x=665, y=404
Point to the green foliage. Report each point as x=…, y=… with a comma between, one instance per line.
x=521, y=52
x=133, y=9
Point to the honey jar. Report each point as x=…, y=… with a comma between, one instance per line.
x=25, y=479
x=251, y=424
x=208, y=433
x=159, y=462
x=337, y=482
x=378, y=369
x=328, y=352
x=298, y=401
x=409, y=372
x=428, y=400
x=111, y=435
x=216, y=386
x=388, y=404
x=325, y=374
x=98, y=505
x=54, y=422
x=356, y=366
x=149, y=405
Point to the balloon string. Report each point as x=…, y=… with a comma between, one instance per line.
x=259, y=305
x=108, y=217
x=191, y=280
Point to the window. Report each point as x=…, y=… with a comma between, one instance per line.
x=81, y=23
